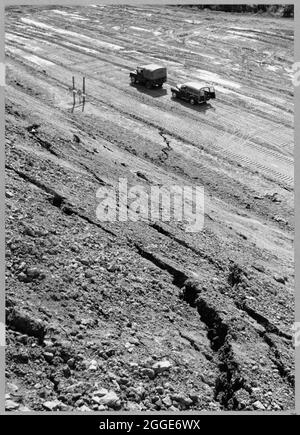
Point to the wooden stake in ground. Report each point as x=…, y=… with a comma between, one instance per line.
x=79, y=96
x=83, y=93
x=74, y=92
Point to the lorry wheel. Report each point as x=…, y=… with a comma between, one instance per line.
x=174, y=95
x=133, y=80
x=148, y=85
x=192, y=101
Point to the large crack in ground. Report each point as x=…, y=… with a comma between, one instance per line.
x=59, y=200
x=140, y=273
x=220, y=331
x=231, y=381
x=162, y=229
x=262, y=320
x=167, y=148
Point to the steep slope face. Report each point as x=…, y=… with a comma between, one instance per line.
x=144, y=315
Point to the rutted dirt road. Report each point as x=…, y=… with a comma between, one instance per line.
x=143, y=315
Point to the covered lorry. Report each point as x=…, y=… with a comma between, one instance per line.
x=149, y=75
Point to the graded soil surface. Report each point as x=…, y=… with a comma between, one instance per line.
x=146, y=316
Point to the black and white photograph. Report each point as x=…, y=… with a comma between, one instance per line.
x=149, y=208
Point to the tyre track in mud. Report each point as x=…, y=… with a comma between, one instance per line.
x=234, y=157
x=270, y=174
x=232, y=125
x=115, y=37
x=232, y=130
x=87, y=124
x=104, y=59
x=165, y=39
x=236, y=133
x=117, y=64
x=90, y=125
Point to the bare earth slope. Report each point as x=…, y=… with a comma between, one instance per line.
x=145, y=316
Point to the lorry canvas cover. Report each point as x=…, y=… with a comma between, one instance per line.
x=153, y=71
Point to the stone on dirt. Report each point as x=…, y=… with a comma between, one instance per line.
x=24, y=322
x=10, y=405
x=53, y=405
x=161, y=366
